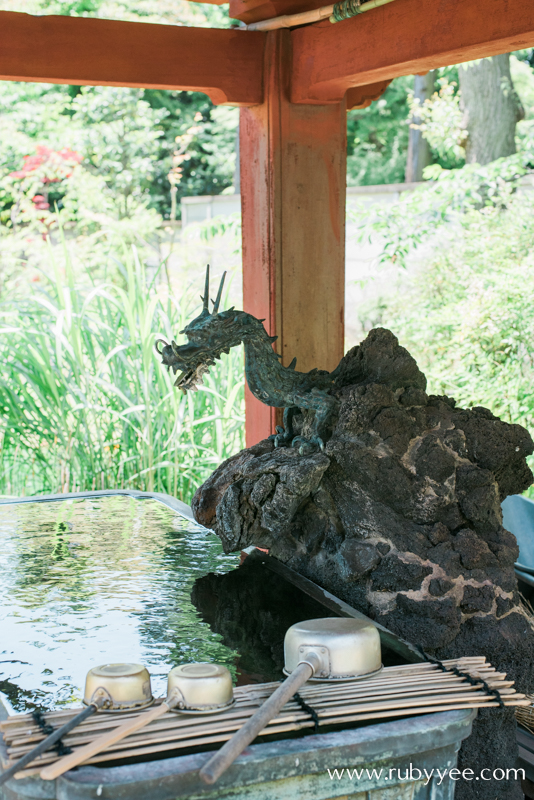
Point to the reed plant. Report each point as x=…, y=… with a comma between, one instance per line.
x=85, y=402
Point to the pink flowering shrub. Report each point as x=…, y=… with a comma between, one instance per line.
x=43, y=173
x=48, y=165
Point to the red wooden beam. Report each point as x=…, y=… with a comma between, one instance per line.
x=363, y=96
x=403, y=38
x=225, y=64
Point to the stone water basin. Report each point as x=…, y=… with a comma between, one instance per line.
x=84, y=581
x=89, y=580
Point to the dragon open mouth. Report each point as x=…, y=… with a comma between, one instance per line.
x=193, y=359
x=190, y=379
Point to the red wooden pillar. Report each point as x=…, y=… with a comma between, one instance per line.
x=293, y=181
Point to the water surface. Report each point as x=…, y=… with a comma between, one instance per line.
x=84, y=582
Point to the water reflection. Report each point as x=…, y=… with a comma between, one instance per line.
x=88, y=581
x=252, y=608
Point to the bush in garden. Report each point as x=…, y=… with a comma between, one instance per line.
x=467, y=315
x=125, y=136
x=45, y=171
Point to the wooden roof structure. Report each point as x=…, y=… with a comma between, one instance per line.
x=294, y=88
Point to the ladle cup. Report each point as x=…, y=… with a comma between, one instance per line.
x=331, y=649
x=110, y=687
x=191, y=688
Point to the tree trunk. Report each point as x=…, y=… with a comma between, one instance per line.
x=491, y=109
x=419, y=155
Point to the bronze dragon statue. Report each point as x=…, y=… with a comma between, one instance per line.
x=308, y=394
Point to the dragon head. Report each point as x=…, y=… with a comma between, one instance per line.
x=209, y=335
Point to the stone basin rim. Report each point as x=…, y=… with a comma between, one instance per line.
x=166, y=499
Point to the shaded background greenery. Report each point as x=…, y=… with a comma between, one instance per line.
x=126, y=136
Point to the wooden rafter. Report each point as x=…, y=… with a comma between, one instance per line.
x=225, y=64
x=357, y=56
x=403, y=38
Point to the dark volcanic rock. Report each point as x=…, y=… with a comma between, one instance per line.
x=394, y=575
x=440, y=586
x=399, y=516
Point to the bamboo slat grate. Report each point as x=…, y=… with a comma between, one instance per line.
x=396, y=691
x=525, y=714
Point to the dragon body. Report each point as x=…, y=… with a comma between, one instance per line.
x=306, y=393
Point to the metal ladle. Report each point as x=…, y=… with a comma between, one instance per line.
x=331, y=649
x=191, y=688
x=111, y=688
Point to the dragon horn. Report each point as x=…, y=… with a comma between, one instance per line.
x=206, y=298
x=219, y=293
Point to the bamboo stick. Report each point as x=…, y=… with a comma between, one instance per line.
x=233, y=724
x=158, y=747
x=396, y=691
x=107, y=740
x=411, y=670
x=243, y=691
x=331, y=698
x=322, y=690
x=337, y=697
x=307, y=17
x=320, y=697
x=326, y=716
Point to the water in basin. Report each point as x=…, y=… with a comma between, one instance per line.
x=89, y=581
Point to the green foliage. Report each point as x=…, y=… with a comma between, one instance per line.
x=220, y=226
x=146, y=122
x=468, y=317
x=420, y=214
x=85, y=402
x=118, y=134
x=125, y=136
x=377, y=138
x=173, y=12
x=75, y=8
x=441, y=123
x=50, y=187
x=209, y=165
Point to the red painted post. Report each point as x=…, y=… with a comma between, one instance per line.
x=293, y=173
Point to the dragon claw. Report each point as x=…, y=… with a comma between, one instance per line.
x=307, y=446
x=319, y=442
x=280, y=438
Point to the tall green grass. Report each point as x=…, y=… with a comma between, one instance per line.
x=85, y=403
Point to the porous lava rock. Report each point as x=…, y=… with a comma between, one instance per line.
x=400, y=516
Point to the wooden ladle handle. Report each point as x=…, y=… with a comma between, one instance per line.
x=231, y=749
x=56, y=769
x=47, y=743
